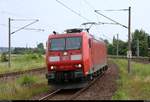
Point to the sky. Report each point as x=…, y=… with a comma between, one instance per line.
x=53, y=16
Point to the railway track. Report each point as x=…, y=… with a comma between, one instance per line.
x=68, y=94
x=145, y=60
x=11, y=74
x=84, y=89
x=50, y=95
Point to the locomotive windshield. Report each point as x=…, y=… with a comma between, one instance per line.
x=57, y=44
x=71, y=43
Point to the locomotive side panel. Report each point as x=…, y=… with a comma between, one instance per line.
x=87, y=64
x=98, y=54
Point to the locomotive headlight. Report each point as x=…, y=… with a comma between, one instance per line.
x=54, y=58
x=52, y=67
x=65, y=53
x=76, y=57
x=79, y=65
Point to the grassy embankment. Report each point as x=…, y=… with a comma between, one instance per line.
x=22, y=62
x=23, y=88
x=134, y=86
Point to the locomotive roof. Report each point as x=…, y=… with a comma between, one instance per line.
x=74, y=30
x=64, y=35
x=77, y=31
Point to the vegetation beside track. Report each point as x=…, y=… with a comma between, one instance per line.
x=23, y=88
x=23, y=62
x=135, y=85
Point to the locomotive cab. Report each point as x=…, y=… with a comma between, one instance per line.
x=64, y=56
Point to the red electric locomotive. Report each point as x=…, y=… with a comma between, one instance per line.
x=74, y=55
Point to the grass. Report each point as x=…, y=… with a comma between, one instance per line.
x=27, y=80
x=26, y=86
x=133, y=86
x=17, y=90
x=22, y=62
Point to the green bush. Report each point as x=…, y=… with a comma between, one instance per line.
x=26, y=80
x=33, y=56
x=4, y=57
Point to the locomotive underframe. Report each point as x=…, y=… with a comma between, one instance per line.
x=64, y=76
x=72, y=76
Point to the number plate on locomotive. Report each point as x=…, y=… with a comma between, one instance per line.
x=65, y=58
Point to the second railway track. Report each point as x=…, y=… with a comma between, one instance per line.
x=13, y=74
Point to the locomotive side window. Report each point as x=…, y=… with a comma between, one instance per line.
x=89, y=43
x=73, y=43
x=57, y=44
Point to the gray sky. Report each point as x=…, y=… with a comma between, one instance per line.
x=53, y=16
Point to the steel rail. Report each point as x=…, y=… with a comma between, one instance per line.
x=10, y=74
x=76, y=94
x=49, y=95
x=84, y=89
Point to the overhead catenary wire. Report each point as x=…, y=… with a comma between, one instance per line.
x=107, y=37
x=110, y=19
x=102, y=23
x=23, y=19
x=114, y=10
x=24, y=26
x=4, y=25
x=91, y=6
x=72, y=10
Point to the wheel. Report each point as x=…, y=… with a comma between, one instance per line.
x=91, y=77
x=106, y=67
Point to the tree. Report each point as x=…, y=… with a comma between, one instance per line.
x=4, y=57
x=40, y=48
x=22, y=50
x=142, y=36
x=122, y=47
x=110, y=48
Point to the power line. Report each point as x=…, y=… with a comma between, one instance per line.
x=111, y=19
x=24, y=26
x=106, y=23
x=115, y=10
x=72, y=10
x=34, y=29
x=4, y=25
x=107, y=37
x=89, y=4
x=23, y=19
